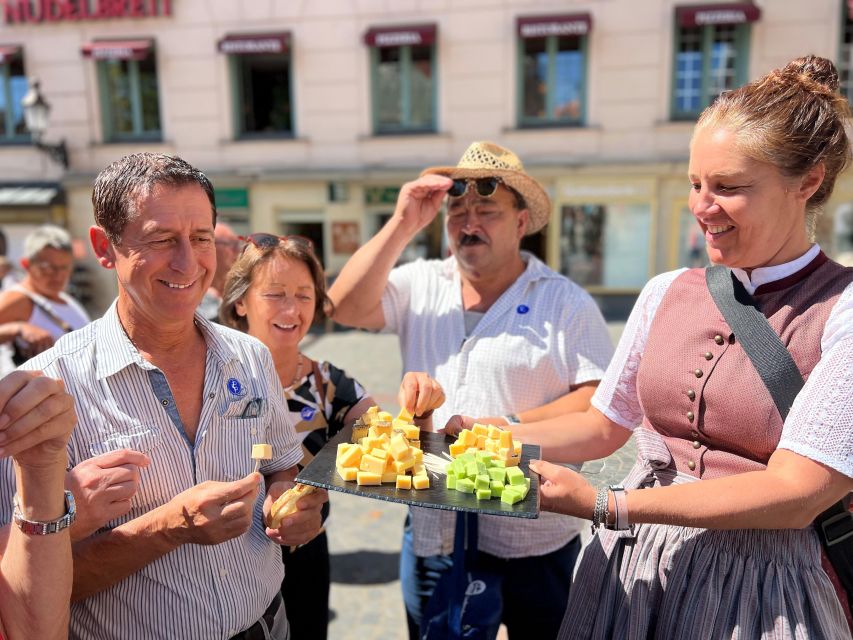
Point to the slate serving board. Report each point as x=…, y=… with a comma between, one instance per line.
x=321, y=472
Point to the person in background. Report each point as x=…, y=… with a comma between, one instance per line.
x=37, y=311
x=192, y=557
x=712, y=536
x=275, y=291
x=228, y=245
x=36, y=419
x=504, y=334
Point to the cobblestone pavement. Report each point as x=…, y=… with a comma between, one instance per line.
x=365, y=535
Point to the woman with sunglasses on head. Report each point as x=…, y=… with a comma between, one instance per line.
x=36, y=312
x=275, y=291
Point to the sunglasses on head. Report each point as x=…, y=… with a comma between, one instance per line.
x=486, y=187
x=269, y=240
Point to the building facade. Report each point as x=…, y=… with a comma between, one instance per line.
x=308, y=116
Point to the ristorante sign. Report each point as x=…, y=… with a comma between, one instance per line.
x=34, y=11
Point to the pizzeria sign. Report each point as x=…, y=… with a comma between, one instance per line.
x=37, y=11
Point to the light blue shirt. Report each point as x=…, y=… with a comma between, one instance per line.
x=196, y=591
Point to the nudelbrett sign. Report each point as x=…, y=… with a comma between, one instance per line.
x=35, y=11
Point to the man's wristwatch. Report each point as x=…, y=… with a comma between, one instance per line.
x=511, y=418
x=34, y=528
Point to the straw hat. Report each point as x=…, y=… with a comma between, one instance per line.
x=486, y=160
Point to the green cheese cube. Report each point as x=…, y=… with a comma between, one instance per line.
x=521, y=490
x=496, y=473
x=481, y=482
x=464, y=485
x=451, y=481
x=498, y=463
x=450, y=471
x=458, y=468
x=485, y=457
x=497, y=488
x=471, y=469
x=514, y=476
x=510, y=496
x=484, y=494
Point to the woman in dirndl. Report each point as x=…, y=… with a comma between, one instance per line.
x=712, y=536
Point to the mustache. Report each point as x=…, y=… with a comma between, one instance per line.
x=468, y=239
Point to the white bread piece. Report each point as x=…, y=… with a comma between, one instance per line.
x=285, y=504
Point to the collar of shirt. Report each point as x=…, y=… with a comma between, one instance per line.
x=115, y=351
x=763, y=275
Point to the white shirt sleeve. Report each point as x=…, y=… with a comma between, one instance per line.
x=397, y=296
x=616, y=396
x=586, y=345
x=820, y=424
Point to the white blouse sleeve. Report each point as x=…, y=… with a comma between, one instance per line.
x=616, y=396
x=820, y=424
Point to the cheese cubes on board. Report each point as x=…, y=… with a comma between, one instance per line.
x=387, y=450
x=490, y=439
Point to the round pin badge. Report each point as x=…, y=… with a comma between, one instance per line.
x=307, y=413
x=234, y=387
x=522, y=309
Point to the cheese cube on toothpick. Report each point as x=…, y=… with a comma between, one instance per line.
x=261, y=452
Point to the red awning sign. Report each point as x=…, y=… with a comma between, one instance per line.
x=717, y=14
x=255, y=43
x=578, y=24
x=415, y=35
x=7, y=52
x=117, y=49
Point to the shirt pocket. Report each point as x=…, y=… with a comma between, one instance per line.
x=235, y=437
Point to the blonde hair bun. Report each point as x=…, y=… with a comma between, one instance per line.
x=814, y=70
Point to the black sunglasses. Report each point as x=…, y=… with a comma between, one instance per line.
x=269, y=240
x=486, y=187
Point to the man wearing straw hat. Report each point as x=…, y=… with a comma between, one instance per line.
x=504, y=335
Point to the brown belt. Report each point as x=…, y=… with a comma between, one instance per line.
x=256, y=631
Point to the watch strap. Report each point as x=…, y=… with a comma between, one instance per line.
x=37, y=528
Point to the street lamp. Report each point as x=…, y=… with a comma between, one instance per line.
x=36, y=111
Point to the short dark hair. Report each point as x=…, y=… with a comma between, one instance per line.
x=118, y=188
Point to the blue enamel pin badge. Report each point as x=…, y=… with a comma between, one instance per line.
x=307, y=413
x=522, y=309
x=235, y=388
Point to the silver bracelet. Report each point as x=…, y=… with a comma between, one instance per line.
x=599, y=513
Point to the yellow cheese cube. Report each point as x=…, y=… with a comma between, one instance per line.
x=481, y=442
x=480, y=429
x=516, y=447
x=404, y=482
x=473, y=450
x=261, y=451
x=399, y=447
x=382, y=454
x=506, y=439
x=457, y=449
x=347, y=474
x=398, y=425
x=404, y=465
x=467, y=438
x=491, y=445
x=351, y=457
x=342, y=447
x=384, y=416
x=494, y=432
x=385, y=440
x=405, y=416
x=418, y=470
x=420, y=482
x=389, y=476
x=415, y=444
x=418, y=455
x=513, y=461
x=369, y=478
x=359, y=431
x=372, y=464
x=412, y=432
x=372, y=411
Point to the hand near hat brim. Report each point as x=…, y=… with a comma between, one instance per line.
x=420, y=201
